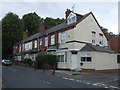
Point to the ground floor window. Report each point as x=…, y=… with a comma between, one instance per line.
x=62, y=57
x=86, y=57
x=118, y=58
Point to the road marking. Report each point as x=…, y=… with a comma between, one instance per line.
x=77, y=80
x=87, y=83
x=113, y=87
x=46, y=82
x=64, y=78
x=71, y=79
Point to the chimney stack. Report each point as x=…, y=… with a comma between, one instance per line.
x=67, y=13
x=25, y=35
x=41, y=28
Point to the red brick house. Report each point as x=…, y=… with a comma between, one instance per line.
x=77, y=40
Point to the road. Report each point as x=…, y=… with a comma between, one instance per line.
x=0, y=76
x=18, y=77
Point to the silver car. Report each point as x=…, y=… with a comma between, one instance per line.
x=6, y=62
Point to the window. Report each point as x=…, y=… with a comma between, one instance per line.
x=23, y=47
x=85, y=59
x=71, y=18
x=35, y=44
x=52, y=39
x=101, y=39
x=93, y=37
x=62, y=57
x=20, y=48
x=40, y=41
x=46, y=41
x=62, y=37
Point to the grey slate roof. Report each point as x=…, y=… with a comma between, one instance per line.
x=54, y=29
x=90, y=47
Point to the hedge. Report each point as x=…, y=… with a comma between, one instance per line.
x=49, y=58
x=27, y=61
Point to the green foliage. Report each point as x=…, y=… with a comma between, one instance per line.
x=11, y=33
x=50, y=22
x=31, y=23
x=27, y=61
x=49, y=58
x=40, y=58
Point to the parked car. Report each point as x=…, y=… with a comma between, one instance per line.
x=6, y=62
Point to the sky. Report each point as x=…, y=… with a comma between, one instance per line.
x=106, y=13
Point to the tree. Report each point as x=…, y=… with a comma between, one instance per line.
x=11, y=33
x=31, y=23
x=50, y=22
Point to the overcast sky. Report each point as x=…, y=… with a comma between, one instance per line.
x=106, y=13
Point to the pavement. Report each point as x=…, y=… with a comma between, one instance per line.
x=105, y=80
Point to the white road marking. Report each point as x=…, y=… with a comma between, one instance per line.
x=106, y=87
x=113, y=87
x=87, y=83
x=77, y=80
x=46, y=82
x=65, y=78
x=71, y=79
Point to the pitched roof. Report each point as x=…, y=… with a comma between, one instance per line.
x=55, y=28
x=90, y=47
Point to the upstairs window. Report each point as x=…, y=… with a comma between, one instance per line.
x=93, y=37
x=71, y=18
x=101, y=39
x=46, y=41
x=20, y=48
x=52, y=39
x=62, y=37
x=23, y=47
x=40, y=41
x=35, y=44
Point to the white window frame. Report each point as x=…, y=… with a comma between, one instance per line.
x=71, y=18
x=46, y=41
x=93, y=38
x=101, y=39
x=40, y=41
x=35, y=44
x=85, y=55
x=60, y=54
x=62, y=37
x=52, y=39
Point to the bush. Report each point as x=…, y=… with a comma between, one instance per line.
x=49, y=58
x=40, y=58
x=27, y=61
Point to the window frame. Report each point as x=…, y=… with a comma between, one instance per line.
x=52, y=39
x=46, y=41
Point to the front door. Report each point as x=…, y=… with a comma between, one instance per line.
x=74, y=61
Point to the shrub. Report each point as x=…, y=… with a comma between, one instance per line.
x=40, y=58
x=27, y=61
x=49, y=58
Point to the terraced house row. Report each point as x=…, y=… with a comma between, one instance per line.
x=78, y=40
